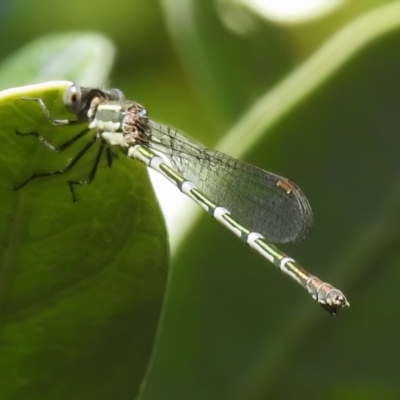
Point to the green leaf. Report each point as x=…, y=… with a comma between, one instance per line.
x=81, y=284
x=85, y=58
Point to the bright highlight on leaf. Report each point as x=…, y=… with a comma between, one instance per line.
x=83, y=57
x=23, y=90
x=288, y=11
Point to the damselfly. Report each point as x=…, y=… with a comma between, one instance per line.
x=258, y=206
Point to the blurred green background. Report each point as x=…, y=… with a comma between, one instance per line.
x=233, y=327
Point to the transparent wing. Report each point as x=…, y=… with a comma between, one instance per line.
x=261, y=201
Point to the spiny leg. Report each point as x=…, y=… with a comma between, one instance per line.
x=56, y=122
x=56, y=149
x=46, y=112
x=68, y=143
x=64, y=169
x=91, y=176
x=109, y=157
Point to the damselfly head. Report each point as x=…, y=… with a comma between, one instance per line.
x=73, y=99
x=83, y=101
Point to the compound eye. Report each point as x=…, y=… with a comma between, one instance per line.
x=73, y=98
x=116, y=95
